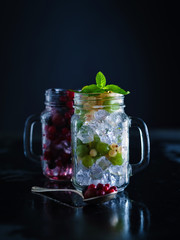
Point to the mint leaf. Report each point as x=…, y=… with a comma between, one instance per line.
x=100, y=80
x=93, y=88
x=116, y=89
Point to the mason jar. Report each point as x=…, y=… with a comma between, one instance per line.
x=56, y=137
x=100, y=141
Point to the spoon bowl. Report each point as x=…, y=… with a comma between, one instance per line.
x=93, y=200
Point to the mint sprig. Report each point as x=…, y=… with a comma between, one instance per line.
x=100, y=80
x=101, y=87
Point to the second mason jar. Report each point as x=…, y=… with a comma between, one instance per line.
x=56, y=137
x=100, y=141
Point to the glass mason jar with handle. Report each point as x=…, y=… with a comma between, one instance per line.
x=100, y=141
x=56, y=138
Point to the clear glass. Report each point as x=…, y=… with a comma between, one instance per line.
x=100, y=141
x=56, y=136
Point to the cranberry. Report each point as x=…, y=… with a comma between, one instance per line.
x=70, y=94
x=114, y=187
x=64, y=131
x=58, y=120
x=91, y=186
x=100, y=192
x=100, y=186
x=59, y=138
x=51, y=133
x=111, y=190
x=105, y=188
x=69, y=104
x=67, y=115
x=90, y=193
x=63, y=98
x=52, y=129
x=107, y=185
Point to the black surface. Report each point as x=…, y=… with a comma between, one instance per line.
x=148, y=209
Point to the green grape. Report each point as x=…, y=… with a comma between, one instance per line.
x=96, y=138
x=102, y=148
x=117, y=160
x=94, y=143
x=82, y=150
x=79, y=142
x=87, y=161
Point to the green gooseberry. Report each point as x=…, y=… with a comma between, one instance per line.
x=102, y=148
x=87, y=161
x=94, y=143
x=117, y=160
x=82, y=150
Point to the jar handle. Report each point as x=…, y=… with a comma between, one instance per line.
x=28, y=137
x=145, y=144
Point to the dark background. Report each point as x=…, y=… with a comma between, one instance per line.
x=63, y=44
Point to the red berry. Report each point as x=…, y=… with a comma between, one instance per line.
x=90, y=193
x=107, y=185
x=63, y=98
x=70, y=94
x=100, y=186
x=110, y=191
x=67, y=115
x=105, y=188
x=114, y=187
x=69, y=104
x=58, y=120
x=52, y=129
x=64, y=131
x=51, y=134
x=100, y=192
x=48, y=155
x=91, y=186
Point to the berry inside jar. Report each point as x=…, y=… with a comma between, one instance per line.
x=56, y=136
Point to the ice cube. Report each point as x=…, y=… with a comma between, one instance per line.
x=103, y=162
x=114, y=119
x=86, y=134
x=96, y=172
x=104, y=132
x=118, y=170
x=100, y=115
x=83, y=177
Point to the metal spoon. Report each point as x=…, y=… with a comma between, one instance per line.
x=93, y=200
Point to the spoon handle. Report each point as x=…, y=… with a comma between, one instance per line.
x=41, y=189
